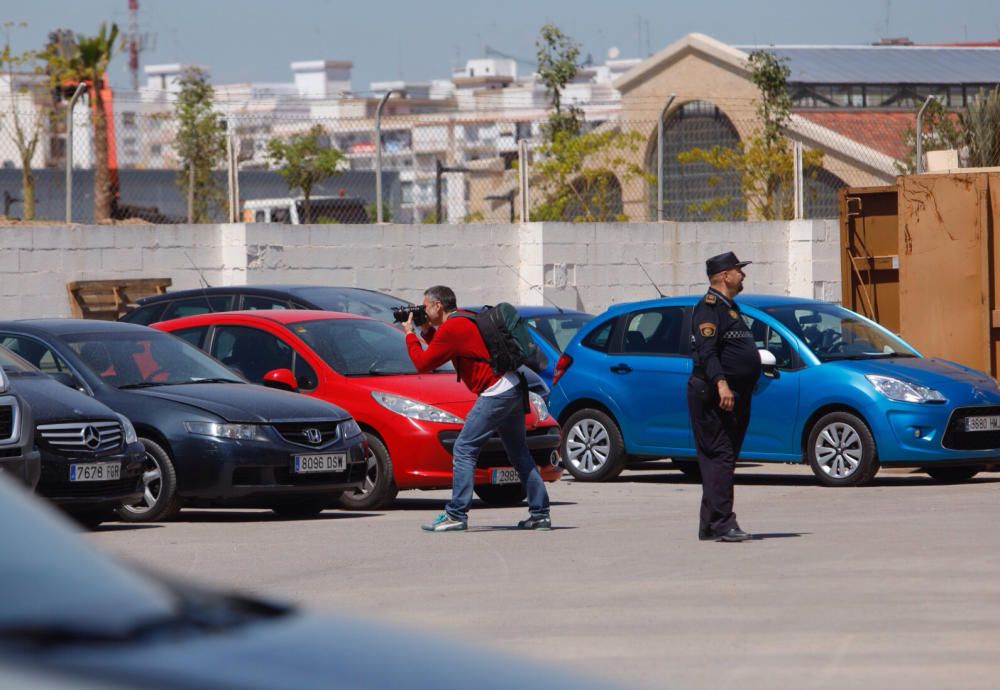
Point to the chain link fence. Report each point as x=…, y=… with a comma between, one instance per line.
x=453, y=166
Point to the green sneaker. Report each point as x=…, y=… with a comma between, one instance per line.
x=543, y=523
x=445, y=523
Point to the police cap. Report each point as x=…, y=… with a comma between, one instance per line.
x=723, y=262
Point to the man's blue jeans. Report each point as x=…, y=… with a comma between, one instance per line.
x=504, y=414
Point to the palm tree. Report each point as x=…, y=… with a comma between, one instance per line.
x=87, y=63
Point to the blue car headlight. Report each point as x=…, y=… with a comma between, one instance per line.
x=238, y=432
x=903, y=391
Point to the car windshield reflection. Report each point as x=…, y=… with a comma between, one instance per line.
x=834, y=333
x=358, y=347
x=130, y=360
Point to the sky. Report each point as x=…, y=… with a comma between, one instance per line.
x=256, y=40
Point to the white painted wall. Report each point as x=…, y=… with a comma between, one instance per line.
x=586, y=266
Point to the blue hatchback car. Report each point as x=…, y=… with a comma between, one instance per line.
x=843, y=394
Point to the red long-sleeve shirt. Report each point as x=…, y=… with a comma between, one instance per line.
x=456, y=340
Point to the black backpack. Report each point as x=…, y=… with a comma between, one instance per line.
x=507, y=339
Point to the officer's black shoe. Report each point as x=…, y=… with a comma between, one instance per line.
x=735, y=534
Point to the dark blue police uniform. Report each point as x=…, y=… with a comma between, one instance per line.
x=722, y=347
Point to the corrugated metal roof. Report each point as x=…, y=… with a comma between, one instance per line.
x=888, y=64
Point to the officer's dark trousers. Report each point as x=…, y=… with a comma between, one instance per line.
x=718, y=437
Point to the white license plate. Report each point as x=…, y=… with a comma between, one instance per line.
x=95, y=472
x=504, y=476
x=987, y=423
x=328, y=462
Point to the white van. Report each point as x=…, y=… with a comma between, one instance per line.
x=323, y=209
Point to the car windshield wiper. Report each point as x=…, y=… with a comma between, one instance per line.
x=214, y=380
x=145, y=384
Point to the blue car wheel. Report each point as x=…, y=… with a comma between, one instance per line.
x=841, y=450
x=592, y=446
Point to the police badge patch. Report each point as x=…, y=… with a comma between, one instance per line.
x=709, y=299
x=732, y=313
x=707, y=329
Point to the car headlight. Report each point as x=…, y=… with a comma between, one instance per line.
x=349, y=429
x=239, y=432
x=541, y=409
x=130, y=435
x=903, y=391
x=414, y=409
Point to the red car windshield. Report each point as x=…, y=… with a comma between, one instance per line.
x=358, y=347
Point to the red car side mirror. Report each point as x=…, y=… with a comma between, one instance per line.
x=282, y=379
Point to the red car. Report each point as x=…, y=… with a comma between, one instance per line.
x=411, y=420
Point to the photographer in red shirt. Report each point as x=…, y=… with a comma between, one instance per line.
x=498, y=409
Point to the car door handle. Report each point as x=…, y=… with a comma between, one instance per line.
x=621, y=369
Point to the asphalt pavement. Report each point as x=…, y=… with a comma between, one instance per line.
x=893, y=585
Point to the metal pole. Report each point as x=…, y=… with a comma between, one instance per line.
x=920, y=134
x=659, y=157
x=437, y=190
x=190, y=191
x=229, y=177
x=798, y=180
x=522, y=169
x=69, y=152
x=378, y=156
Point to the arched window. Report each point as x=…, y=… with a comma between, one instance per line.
x=696, y=191
x=821, y=200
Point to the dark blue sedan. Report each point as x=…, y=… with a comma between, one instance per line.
x=839, y=392
x=210, y=437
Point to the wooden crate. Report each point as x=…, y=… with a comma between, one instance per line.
x=108, y=300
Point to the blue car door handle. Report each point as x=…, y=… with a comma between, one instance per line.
x=621, y=369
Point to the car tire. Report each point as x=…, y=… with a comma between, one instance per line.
x=502, y=495
x=302, y=507
x=592, y=447
x=952, y=475
x=380, y=489
x=689, y=468
x=841, y=450
x=91, y=519
x=159, y=481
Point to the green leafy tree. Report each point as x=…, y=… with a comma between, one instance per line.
x=25, y=135
x=582, y=175
x=303, y=160
x=86, y=61
x=764, y=162
x=942, y=130
x=201, y=145
x=557, y=57
x=981, y=125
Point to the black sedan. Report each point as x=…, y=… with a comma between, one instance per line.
x=173, y=305
x=91, y=459
x=18, y=457
x=210, y=437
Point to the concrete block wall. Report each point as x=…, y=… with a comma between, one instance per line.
x=585, y=266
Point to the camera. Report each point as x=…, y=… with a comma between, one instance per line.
x=401, y=314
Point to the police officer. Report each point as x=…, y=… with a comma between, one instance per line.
x=726, y=368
